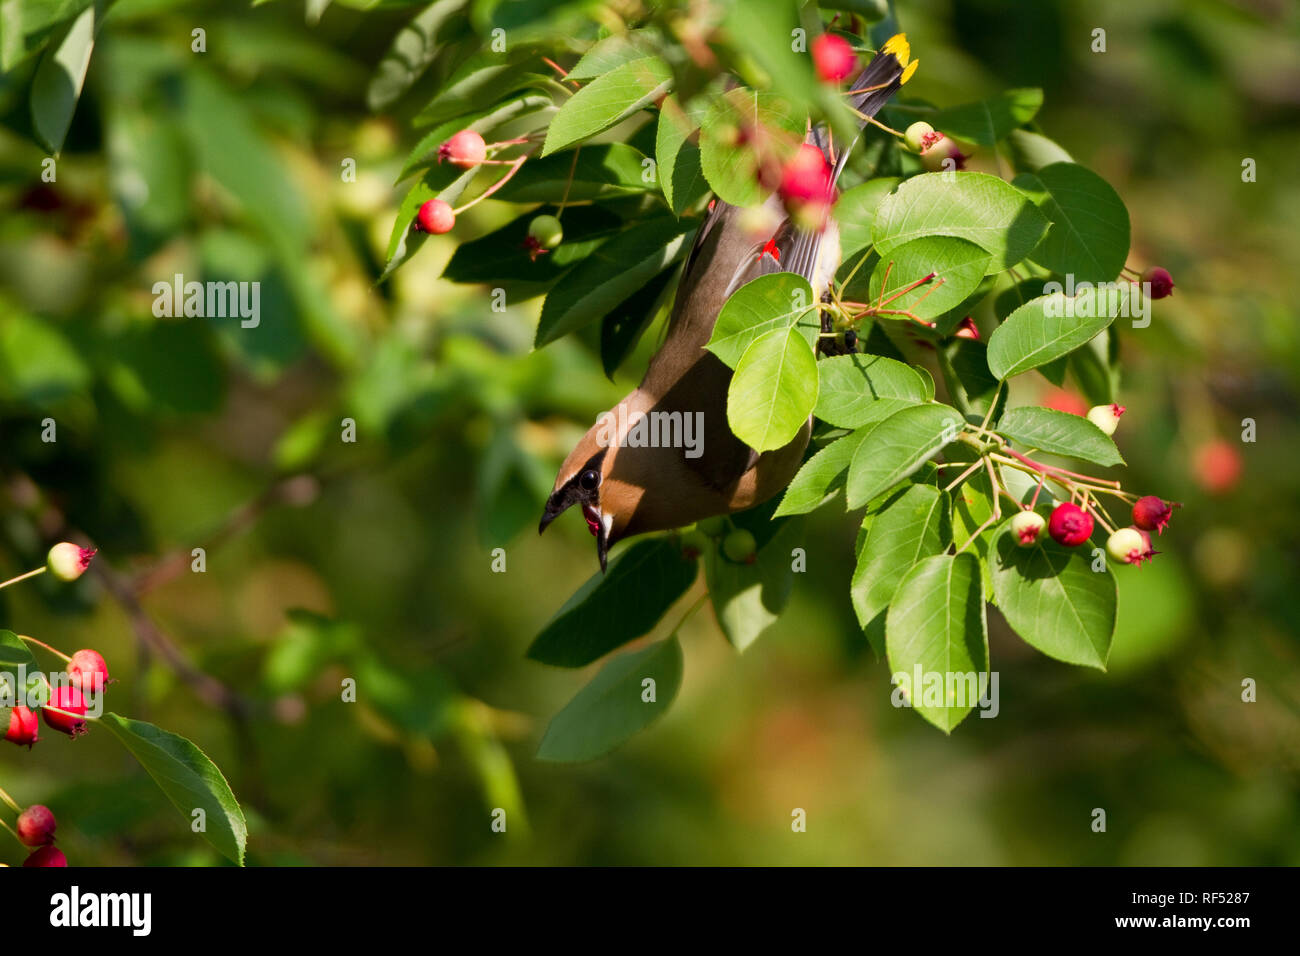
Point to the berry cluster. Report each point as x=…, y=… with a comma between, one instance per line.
x=64, y=709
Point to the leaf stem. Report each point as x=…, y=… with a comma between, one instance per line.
x=13, y=804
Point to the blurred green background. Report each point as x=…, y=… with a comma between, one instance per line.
x=372, y=560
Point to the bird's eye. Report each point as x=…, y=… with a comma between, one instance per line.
x=589, y=479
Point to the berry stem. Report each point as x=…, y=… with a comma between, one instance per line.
x=964, y=475
x=53, y=650
x=515, y=165
x=13, y=804
x=14, y=834
x=22, y=577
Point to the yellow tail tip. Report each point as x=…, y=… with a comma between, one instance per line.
x=908, y=71
x=898, y=46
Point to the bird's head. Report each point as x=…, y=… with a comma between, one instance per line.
x=584, y=479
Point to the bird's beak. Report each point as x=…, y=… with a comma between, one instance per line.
x=559, y=502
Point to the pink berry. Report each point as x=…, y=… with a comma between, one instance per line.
x=46, y=856
x=88, y=671
x=1162, y=283
x=435, y=216
x=67, y=699
x=1063, y=401
x=23, y=726
x=806, y=176
x=1130, y=546
x=1152, y=513
x=937, y=149
x=968, y=330
x=36, y=826
x=68, y=561
x=833, y=57
x=465, y=149
x=1069, y=525
x=1218, y=466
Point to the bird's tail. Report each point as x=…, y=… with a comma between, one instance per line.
x=889, y=69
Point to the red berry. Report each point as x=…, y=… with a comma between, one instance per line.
x=22, y=726
x=36, y=825
x=806, y=176
x=968, y=329
x=66, y=699
x=1162, y=283
x=1063, y=401
x=1218, y=466
x=833, y=57
x=46, y=856
x=1069, y=525
x=435, y=216
x=1152, y=513
x=465, y=149
x=88, y=671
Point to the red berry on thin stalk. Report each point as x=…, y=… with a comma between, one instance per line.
x=1069, y=525
x=23, y=726
x=833, y=57
x=1161, y=282
x=436, y=216
x=465, y=149
x=88, y=671
x=67, y=699
x=1153, y=514
x=36, y=825
x=46, y=856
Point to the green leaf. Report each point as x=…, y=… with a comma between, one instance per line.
x=912, y=526
x=612, y=52
x=1060, y=433
x=857, y=390
x=500, y=260
x=613, y=707
x=612, y=97
x=898, y=446
x=190, y=780
x=977, y=207
x=971, y=385
x=749, y=598
x=1053, y=599
x=56, y=86
x=483, y=79
x=1050, y=326
x=678, y=159
x=855, y=213
x=821, y=476
x=936, y=623
x=773, y=391
x=414, y=48
x=601, y=172
x=1089, y=237
x=730, y=163
x=956, y=266
x=773, y=302
x=618, y=606
x=611, y=274
x=1031, y=151
x=37, y=363
x=988, y=121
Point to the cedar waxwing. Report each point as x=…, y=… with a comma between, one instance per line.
x=628, y=487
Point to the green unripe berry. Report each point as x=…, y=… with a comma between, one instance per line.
x=694, y=543
x=914, y=135
x=713, y=527
x=1027, y=526
x=740, y=546
x=546, y=231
